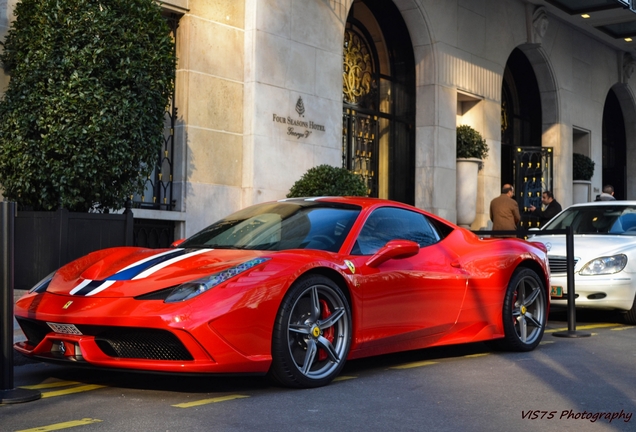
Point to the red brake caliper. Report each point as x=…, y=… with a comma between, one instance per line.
x=327, y=333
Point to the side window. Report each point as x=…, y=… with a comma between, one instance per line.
x=389, y=223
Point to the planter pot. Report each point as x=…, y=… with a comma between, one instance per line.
x=467, y=172
x=581, y=191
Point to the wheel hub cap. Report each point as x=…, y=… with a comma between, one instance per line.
x=523, y=310
x=315, y=331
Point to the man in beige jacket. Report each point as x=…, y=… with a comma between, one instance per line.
x=504, y=211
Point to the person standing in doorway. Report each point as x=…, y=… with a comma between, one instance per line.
x=550, y=210
x=607, y=195
x=504, y=210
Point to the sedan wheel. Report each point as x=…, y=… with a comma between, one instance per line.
x=312, y=334
x=524, y=311
x=630, y=315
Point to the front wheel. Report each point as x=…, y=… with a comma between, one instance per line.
x=312, y=334
x=630, y=315
x=525, y=311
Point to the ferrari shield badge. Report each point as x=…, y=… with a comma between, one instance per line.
x=351, y=266
x=67, y=304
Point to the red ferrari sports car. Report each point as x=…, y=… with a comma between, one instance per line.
x=291, y=289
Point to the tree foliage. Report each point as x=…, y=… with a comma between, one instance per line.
x=81, y=123
x=325, y=180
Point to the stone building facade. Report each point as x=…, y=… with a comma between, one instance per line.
x=266, y=89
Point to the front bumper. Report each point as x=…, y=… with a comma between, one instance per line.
x=597, y=292
x=125, y=333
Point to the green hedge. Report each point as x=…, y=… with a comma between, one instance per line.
x=81, y=123
x=582, y=167
x=470, y=143
x=325, y=180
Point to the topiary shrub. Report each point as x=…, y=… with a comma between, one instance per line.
x=325, y=180
x=81, y=123
x=470, y=143
x=582, y=167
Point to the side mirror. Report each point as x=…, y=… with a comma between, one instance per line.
x=176, y=243
x=395, y=249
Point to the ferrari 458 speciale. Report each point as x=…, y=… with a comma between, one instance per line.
x=291, y=289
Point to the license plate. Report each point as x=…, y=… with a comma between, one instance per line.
x=64, y=328
x=556, y=291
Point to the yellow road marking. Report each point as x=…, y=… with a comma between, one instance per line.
x=476, y=355
x=585, y=327
x=64, y=425
x=50, y=385
x=72, y=390
x=344, y=378
x=414, y=365
x=209, y=401
x=623, y=328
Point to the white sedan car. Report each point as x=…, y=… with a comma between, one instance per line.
x=604, y=255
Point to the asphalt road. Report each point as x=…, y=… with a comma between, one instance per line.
x=566, y=384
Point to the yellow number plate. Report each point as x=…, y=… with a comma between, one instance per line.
x=556, y=291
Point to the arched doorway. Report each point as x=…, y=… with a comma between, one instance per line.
x=379, y=100
x=524, y=163
x=614, y=146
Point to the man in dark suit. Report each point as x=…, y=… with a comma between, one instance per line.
x=552, y=208
x=504, y=210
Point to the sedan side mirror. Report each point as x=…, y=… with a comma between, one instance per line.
x=395, y=249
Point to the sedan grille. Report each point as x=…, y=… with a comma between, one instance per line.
x=559, y=264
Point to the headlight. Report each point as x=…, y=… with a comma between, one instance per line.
x=604, y=265
x=192, y=289
x=41, y=286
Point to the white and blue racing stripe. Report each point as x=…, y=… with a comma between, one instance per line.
x=138, y=270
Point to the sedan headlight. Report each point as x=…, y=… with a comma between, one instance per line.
x=604, y=265
x=41, y=286
x=188, y=290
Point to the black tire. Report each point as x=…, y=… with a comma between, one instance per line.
x=524, y=312
x=312, y=334
x=630, y=316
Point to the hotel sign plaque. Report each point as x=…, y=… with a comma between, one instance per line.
x=298, y=128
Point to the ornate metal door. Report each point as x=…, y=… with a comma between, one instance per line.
x=533, y=176
x=360, y=147
x=378, y=91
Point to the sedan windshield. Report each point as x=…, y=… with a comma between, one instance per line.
x=606, y=219
x=280, y=226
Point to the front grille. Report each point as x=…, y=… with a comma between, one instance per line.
x=559, y=264
x=142, y=344
x=35, y=331
x=120, y=342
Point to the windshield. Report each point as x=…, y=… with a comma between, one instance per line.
x=607, y=219
x=280, y=226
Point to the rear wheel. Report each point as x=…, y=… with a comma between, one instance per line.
x=312, y=334
x=524, y=311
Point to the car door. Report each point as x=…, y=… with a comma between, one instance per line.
x=410, y=297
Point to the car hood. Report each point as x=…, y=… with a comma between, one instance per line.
x=127, y=271
x=587, y=246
